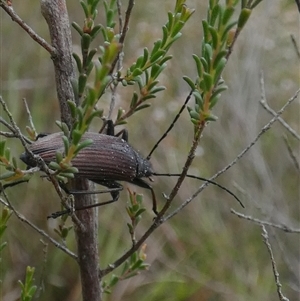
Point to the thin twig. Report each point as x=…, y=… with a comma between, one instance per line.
x=156, y=223
x=282, y=227
x=43, y=272
x=8, y=134
x=13, y=126
x=119, y=62
x=265, y=105
x=123, y=33
x=298, y=4
x=43, y=233
x=295, y=45
x=119, y=5
x=29, y=117
x=14, y=16
x=291, y=153
x=274, y=267
x=262, y=131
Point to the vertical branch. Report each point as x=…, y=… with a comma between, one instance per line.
x=87, y=244
x=56, y=15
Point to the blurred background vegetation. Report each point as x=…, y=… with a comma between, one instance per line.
x=204, y=253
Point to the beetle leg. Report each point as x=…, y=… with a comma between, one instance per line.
x=142, y=183
x=114, y=189
x=111, y=131
x=4, y=186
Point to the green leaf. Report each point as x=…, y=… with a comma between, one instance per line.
x=145, y=57
x=176, y=37
x=54, y=166
x=14, y=162
x=195, y=115
x=219, y=68
x=208, y=52
x=165, y=35
x=214, y=37
x=96, y=113
x=81, y=83
x=95, y=31
x=170, y=22
x=204, y=64
x=226, y=30
x=72, y=107
x=214, y=14
x=211, y=118
x=213, y=100
x=83, y=144
x=228, y=12
x=195, y=121
x=165, y=59
x=179, y=25
x=77, y=28
x=85, y=8
x=136, y=72
x=114, y=280
x=157, y=55
x=205, y=31
x=79, y=115
x=198, y=65
x=152, y=85
x=3, y=245
x=7, y=153
x=208, y=81
x=90, y=56
x=243, y=17
x=66, y=144
x=156, y=70
x=218, y=90
x=218, y=57
x=157, y=89
x=85, y=42
x=189, y=82
x=156, y=47
x=58, y=156
x=139, y=62
x=2, y=147
x=76, y=136
x=255, y=3
x=68, y=175
x=134, y=100
x=198, y=98
x=144, y=106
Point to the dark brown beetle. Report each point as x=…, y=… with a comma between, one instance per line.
x=107, y=160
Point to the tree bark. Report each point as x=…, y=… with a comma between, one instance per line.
x=56, y=15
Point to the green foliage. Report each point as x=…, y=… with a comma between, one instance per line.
x=149, y=66
x=13, y=172
x=219, y=34
x=134, y=211
x=6, y=214
x=28, y=289
x=132, y=267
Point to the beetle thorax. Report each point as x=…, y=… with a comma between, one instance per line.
x=144, y=168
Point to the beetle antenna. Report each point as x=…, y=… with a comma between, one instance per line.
x=171, y=126
x=202, y=179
